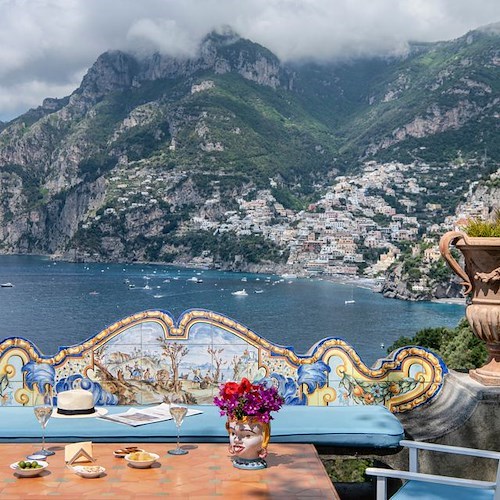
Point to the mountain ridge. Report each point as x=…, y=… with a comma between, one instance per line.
x=149, y=156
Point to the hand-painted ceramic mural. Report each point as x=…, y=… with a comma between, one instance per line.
x=149, y=358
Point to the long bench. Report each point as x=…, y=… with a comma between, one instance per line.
x=332, y=399
x=366, y=427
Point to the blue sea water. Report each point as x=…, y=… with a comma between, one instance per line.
x=57, y=304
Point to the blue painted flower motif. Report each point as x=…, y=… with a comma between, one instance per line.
x=39, y=375
x=313, y=376
x=287, y=389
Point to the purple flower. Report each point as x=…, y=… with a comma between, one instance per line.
x=247, y=399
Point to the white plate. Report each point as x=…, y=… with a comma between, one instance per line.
x=142, y=464
x=88, y=471
x=28, y=472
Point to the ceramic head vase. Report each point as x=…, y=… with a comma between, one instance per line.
x=248, y=408
x=248, y=440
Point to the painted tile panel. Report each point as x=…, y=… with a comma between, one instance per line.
x=149, y=357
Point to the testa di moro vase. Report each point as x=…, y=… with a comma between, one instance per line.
x=248, y=408
x=481, y=278
x=248, y=440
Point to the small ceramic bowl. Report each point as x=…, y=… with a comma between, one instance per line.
x=141, y=460
x=29, y=472
x=88, y=471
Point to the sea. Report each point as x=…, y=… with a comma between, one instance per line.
x=56, y=304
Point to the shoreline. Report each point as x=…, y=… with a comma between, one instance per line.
x=359, y=282
x=372, y=284
x=457, y=301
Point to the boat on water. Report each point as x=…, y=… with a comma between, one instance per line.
x=240, y=292
x=258, y=291
x=349, y=301
x=6, y=285
x=244, y=279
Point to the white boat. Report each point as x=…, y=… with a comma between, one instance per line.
x=6, y=285
x=259, y=291
x=244, y=279
x=194, y=278
x=199, y=280
x=240, y=292
x=349, y=301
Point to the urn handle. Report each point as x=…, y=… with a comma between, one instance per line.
x=450, y=238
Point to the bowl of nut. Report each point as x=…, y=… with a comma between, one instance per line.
x=29, y=468
x=141, y=459
x=88, y=471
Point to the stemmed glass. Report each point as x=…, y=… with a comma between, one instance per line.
x=43, y=411
x=178, y=412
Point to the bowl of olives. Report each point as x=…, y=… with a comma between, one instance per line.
x=29, y=468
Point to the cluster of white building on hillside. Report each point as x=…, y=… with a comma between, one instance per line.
x=330, y=236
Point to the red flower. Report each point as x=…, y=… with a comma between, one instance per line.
x=245, y=386
x=229, y=389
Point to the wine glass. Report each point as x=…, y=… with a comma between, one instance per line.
x=178, y=412
x=43, y=411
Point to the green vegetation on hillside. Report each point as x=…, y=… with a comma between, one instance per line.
x=229, y=247
x=459, y=347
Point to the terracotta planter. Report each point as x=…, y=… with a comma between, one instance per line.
x=248, y=440
x=481, y=278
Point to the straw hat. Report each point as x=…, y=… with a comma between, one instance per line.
x=77, y=403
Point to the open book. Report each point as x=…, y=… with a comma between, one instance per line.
x=136, y=417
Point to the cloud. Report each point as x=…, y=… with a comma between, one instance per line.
x=49, y=44
x=19, y=97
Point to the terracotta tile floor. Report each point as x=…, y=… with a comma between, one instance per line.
x=294, y=471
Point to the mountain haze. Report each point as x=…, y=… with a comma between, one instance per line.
x=151, y=156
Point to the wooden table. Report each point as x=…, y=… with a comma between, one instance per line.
x=294, y=471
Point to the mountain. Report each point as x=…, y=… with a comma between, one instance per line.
x=216, y=159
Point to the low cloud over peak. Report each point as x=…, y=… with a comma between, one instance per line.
x=48, y=47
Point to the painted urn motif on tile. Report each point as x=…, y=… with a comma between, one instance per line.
x=248, y=408
x=481, y=278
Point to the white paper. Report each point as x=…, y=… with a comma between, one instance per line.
x=136, y=417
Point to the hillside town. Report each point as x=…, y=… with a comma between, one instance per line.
x=331, y=236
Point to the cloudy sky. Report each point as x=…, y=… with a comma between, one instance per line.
x=46, y=46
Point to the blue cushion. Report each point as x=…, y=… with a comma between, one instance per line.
x=432, y=491
x=351, y=426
